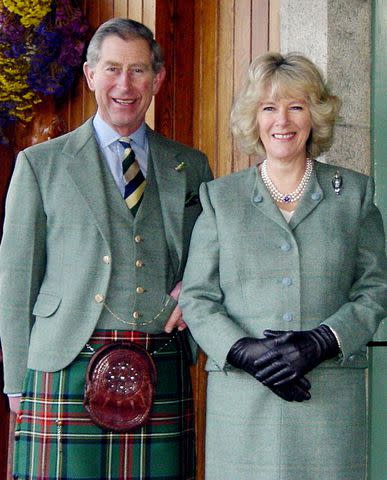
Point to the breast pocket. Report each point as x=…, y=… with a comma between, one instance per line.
x=46, y=304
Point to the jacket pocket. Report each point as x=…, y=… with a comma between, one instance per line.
x=46, y=304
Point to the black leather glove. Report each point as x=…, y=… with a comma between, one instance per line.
x=247, y=350
x=299, y=354
x=297, y=391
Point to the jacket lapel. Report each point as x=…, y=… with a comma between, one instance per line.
x=86, y=169
x=262, y=200
x=172, y=189
x=313, y=195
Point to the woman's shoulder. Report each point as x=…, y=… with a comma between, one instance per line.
x=326, y=172
x=233, y=180
x=330, y=169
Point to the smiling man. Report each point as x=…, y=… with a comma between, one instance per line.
x=94, y=247
x=124, y=80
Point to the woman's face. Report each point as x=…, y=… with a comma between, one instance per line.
x=284, y=127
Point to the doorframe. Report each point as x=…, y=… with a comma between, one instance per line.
x=379, y=103
x=377, y=464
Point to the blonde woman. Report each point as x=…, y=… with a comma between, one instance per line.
x=285, y=284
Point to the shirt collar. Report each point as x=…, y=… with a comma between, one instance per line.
x=107, y=135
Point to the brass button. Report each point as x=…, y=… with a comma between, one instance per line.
x=136, y=314
x=138, y=238
x=139, y=263
x=107, y=259
x=99, y=298
x=140, y=289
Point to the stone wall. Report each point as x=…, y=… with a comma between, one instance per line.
x=336, y=34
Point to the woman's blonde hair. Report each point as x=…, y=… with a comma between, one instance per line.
x=276, y=76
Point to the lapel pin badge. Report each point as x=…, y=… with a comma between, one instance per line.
x=337, y=183
x=180, y=167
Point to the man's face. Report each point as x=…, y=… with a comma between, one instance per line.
x=124, y=82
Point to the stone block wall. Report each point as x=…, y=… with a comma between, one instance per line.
x=336, y=34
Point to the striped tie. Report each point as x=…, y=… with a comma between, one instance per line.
x=134, y=179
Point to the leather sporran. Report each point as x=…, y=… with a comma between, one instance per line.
x=119, y=389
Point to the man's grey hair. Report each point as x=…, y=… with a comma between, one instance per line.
x=126, y=29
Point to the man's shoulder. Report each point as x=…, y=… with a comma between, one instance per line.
x=74, y=139
x=156, y=140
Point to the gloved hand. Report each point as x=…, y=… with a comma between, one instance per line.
x=297, y=391
x=247, y=350
x=291, y=359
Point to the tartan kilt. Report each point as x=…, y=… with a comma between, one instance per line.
x=56, y=440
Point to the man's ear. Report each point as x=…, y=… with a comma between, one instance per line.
x=158, y=80
x=89, y=75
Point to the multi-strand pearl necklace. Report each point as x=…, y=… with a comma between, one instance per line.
x=287, y=197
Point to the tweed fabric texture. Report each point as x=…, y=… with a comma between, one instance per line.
x=55, y=439
x=280, y=440
x=256, y=271
x=66, y=233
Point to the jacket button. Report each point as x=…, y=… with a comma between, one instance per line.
x=140, y=290
x=258, y=199
x=139, y=263
x=138, y=238
x=136, y=314
x=287, y=317
x=107, y=259
x=316, y=196
x=287, y=281
x=99, y=298
x=285, y=247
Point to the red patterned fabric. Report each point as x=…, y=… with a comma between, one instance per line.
x=55, y=439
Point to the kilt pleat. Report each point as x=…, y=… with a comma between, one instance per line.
x=56, y=440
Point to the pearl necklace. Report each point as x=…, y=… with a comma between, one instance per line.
x=287, y=197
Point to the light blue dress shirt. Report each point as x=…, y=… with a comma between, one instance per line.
x=113, y=151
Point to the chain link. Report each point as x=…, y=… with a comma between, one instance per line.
x=135, y=324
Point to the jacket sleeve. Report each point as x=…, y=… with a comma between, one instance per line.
x=201, y=298
x=357, y=320
x=22, y=266
x=207, y=174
